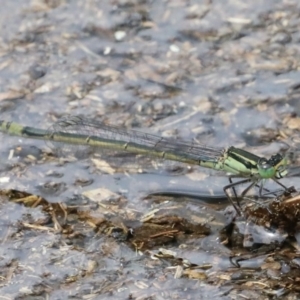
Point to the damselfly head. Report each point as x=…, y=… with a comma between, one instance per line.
x=274, y=167
x=280, y=165
x=281, y=172
x=265, y=168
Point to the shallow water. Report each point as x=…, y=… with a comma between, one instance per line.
x=223, y=74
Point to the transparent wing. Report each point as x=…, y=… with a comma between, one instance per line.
x=87, y=130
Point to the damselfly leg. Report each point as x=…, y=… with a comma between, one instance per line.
x=258, y=183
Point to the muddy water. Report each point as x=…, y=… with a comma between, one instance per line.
x=223, y=74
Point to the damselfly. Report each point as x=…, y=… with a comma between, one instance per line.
x=236, y=162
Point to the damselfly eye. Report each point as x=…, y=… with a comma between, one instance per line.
x=265, y=169
x=264, y=163
x=275, y=159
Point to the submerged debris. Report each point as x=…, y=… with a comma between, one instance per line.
x=109, y=220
